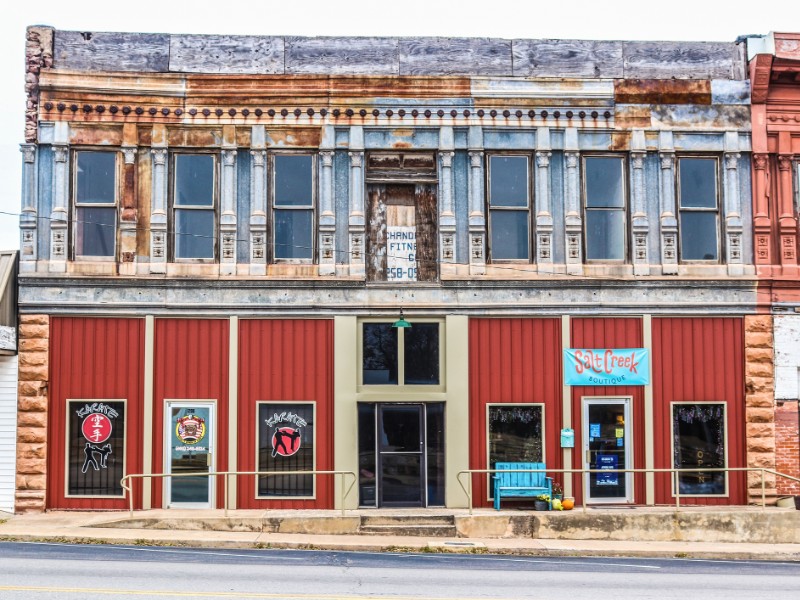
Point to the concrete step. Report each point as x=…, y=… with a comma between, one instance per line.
x=431, y=531
x=410, y=519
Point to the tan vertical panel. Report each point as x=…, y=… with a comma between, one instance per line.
x=144, y=186
x=345, y=405
x=147, y=413
x=233, y=399
x=566, y=407
x=649, y=426
x=457, y=407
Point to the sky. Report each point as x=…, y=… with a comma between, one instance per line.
x=576, y=19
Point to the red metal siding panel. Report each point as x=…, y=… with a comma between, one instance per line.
x=699, y=359
x=607, y=332
x=286, y=360
x=93, y=358
x=191, y=362
x=513, y=360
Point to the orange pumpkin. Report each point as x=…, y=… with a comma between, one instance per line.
x=568, y=503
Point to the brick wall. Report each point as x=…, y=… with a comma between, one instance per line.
x=787, y=434
x=760, y=402
x=34, y=346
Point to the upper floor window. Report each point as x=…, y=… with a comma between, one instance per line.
x=95, y=195
x=509, y=207
x=193, y=206
x=698, y=207
x=604, y=207
x=293, y=206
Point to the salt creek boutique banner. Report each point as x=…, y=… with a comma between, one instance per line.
x=603, y=366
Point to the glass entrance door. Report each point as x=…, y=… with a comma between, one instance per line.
x=401, y=455
x=190, y=438
x=607, y=446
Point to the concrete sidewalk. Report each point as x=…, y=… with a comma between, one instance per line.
x=92, y=527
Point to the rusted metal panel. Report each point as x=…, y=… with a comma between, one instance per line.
x=342, y=55
x=427, y=232
x=632, y=116
x=194, y=137
x=286, y=360
x=679, y=60
x=225, y=54
x=393, y=166
x=95, y=135
x=94, y=359
x=89, y=51
x=294, y=137
x=513, y=361
x=671, y=116
x=696, y=360
x=243, y=136
x=662, y=91
x=455, y=56
x=191, y=362
x=567, y=58
x=607, y=332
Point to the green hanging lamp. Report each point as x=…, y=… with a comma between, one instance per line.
x=401, y=323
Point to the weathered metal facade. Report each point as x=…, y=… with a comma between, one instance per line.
x=344, y=179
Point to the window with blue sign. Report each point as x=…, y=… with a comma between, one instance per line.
x=699, y=443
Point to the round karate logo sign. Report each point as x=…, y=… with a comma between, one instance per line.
x=96, y=428
x=190, y=429
x=285, y=441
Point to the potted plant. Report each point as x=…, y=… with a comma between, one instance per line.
x=558, y=491
x=541, y=502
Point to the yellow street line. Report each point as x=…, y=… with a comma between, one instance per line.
x=167, y=593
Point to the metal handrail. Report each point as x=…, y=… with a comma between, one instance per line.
x=673, y=472
x=227, y=474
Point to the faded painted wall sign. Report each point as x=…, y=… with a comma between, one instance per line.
x=620, y=366
x=401, y=250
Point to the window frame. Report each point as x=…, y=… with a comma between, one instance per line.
x=68, y=438
x=529, y=208
x=489, y=406
x=173, y=181
x=726, y=440
x=314, y=412
x=625, y=209
x=273, y=207
x=75, y=206
x=391, y=389
x=717, y=210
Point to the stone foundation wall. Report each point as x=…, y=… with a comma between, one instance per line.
x=34, y=353
x=759, y=373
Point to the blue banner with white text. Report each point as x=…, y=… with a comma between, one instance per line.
x=605, y=366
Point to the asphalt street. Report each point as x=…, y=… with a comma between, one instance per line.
x=44, y=570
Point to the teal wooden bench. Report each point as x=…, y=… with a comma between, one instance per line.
x=521, y=485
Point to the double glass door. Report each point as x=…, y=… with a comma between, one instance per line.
x=607, y=446
x=401, y=454
x=190, y=449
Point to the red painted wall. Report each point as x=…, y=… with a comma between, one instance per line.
x=606, y=332
x=699, y=359
x=191, y=363
x=513, y=360
x=101, y=359
x=289, y=360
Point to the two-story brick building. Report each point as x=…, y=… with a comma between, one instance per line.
x=220, y=235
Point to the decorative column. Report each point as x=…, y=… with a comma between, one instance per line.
x=447, y=217
x=669, y=222
x=28, y=218
x=477, y=218
x=544, y=213
x=227, y=218
x=327, y=215
x=733, y=209
x=761, y=222
x=573, y=223
x=356, y=221
x=640, y=226
x=158, y=215
x=787, y=221
x=59, y=216
x=128, y=215
x=258, y=212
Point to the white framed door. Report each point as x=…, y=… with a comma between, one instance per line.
x=608, y=444
x=189, y=439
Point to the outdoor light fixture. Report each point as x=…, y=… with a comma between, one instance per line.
x=401, y=323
